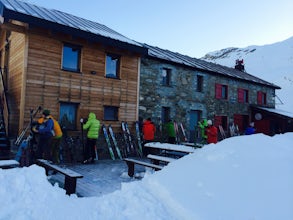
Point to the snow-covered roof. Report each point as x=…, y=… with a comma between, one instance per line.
x=174, y=57
x=277, y=111
x=57, y=20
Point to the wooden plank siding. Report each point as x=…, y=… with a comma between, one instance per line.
x=39, y=76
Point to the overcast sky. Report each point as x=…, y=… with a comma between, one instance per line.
x=190, y=27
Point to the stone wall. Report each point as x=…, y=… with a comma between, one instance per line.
x=182, y=98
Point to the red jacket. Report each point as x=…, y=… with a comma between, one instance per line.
x=212, y=133
x=148, y=130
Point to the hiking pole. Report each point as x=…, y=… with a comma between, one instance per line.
x=82, y=138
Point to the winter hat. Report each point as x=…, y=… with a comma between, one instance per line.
x=210, y=122
x=46, y=112
x=252, y=124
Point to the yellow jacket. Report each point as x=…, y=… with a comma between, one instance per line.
x=57, y=128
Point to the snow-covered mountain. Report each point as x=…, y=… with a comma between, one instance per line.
x=273, y=63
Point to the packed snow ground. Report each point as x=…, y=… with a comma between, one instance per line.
x=243, y=178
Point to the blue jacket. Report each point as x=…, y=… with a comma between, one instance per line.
x=250, y=130
x=46, y=128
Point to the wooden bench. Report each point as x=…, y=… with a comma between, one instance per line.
x=156, y=159
x=70, y=175
x=6, y=164
x=130, y=163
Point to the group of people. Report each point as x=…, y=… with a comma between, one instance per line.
x=49, y=136
x=208, y=132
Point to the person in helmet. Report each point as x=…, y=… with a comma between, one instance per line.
x=211, y=132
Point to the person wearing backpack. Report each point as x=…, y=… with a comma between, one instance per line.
x=56, y=138
x=45, y=132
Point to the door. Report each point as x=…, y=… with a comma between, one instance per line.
x=194, y=117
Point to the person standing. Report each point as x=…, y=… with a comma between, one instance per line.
x=211, y=132
x=250, y=129
x=56, y=139
x=148, y=130
x=45, y=132
x=171, y=133
x=202, y=125
x=93, y=128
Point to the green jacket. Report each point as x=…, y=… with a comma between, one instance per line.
x=170, y=129
x=202, y=127
x=93, y=126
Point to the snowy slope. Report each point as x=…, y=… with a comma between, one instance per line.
x=273, y=63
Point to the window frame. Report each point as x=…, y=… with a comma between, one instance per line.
x=111, y=116
x=221, y=91
x=199, y=83
x=76, y=59
x=166, y=77
x=261, y=98
x=72, y=109
x=243, y=95
x=109, y=67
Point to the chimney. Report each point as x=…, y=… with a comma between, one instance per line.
x=240, y=65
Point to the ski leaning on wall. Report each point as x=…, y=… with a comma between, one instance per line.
x=176, y=132
x=138, y=138
x=133, y=149
x=114, y=141
x=183, y=132
x=108, y=142
x=127, y=144
x=222, y=132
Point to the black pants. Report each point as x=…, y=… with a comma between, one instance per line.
x=44, y=150
x=90, y=149
x=171, y=140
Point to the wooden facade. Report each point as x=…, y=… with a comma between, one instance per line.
x=35, y=77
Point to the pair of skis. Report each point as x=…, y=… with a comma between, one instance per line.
x=179, y=128
x=107, y=137
x=130, y=146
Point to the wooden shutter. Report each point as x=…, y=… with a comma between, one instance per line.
x=259, y=98
x=218, y=91
x=240, y=95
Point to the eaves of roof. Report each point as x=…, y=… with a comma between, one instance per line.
x=212, y=68
x=66, y=23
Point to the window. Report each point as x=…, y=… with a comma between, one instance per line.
x=71, y=58
x=165, y=114
x=111, y=113
x=68, y=114
x=243, y=95
x=199, y=83
x=112, y=66
x=221, y=120
x=221, y=91
x=261, y=98
x=166, y=77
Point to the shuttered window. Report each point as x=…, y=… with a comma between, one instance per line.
x=221, y=91
x=242, y=95
x=261, y=98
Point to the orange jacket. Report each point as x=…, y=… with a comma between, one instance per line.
x=148, y=131
x=57, y=128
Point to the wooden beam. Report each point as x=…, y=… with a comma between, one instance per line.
x=13, y=27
